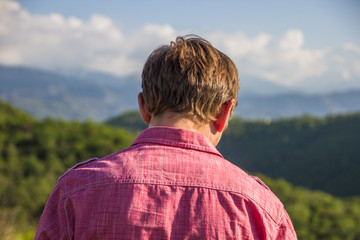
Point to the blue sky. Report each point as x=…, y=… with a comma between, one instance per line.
x=313, y=46
x=325, y=22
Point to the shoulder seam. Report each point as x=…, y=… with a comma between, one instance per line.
x=77, y=165
x=217, y=188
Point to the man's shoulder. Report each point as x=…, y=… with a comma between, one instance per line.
x=79, y=164
x=89, y=173
x=255, y=191
x=92, y=164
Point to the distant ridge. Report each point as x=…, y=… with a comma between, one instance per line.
x=45, y=94
x=296, y=104
x=100, y=96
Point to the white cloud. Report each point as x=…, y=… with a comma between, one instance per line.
x=356, y=68
x=238, y=45
x=345, y=74
x=284, y=60
x=353, y=59
x=55, y=42
x=352, y=47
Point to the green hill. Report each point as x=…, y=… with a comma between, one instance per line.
x=34, y=153
x=130, y=120
x=317, y=215
x=317, y=153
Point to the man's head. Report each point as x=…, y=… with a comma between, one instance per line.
x=189, y=77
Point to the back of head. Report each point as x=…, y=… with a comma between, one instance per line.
x=190, y=77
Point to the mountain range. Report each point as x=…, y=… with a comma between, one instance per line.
x=99, y=96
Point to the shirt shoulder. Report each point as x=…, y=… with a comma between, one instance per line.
x=252, y=188
x=77, y=165
x=269, y=202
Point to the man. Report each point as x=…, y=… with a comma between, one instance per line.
x=171, y=183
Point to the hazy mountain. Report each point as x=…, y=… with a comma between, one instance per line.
x=100, y=96
x=104, y=79
x=294, y=104
x=49, y=94
x=250, y=85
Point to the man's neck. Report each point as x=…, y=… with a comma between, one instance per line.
x=169, y=119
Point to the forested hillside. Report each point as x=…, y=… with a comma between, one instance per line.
x=130, y=120
x=318, y=215
x=34, y=153
x=318, y=153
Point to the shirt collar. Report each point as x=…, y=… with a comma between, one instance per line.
x=176, y=137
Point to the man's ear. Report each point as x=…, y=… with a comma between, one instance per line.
x=144, y=110
x=223, y=117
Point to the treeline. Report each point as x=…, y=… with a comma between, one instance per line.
x=318, y=215
x=34, y=153
x=317, y=153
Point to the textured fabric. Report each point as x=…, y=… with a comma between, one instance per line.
x=170, y=184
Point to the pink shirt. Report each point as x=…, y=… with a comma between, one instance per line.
x=169, y=184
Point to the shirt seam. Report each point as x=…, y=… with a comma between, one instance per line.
x=66, y=213
x=139, y=181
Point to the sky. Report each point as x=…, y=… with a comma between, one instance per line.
x=310, y=46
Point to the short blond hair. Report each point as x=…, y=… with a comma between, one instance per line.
x=191, y=77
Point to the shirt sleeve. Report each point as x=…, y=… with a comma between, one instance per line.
x=53, y=221
x=286, y=229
